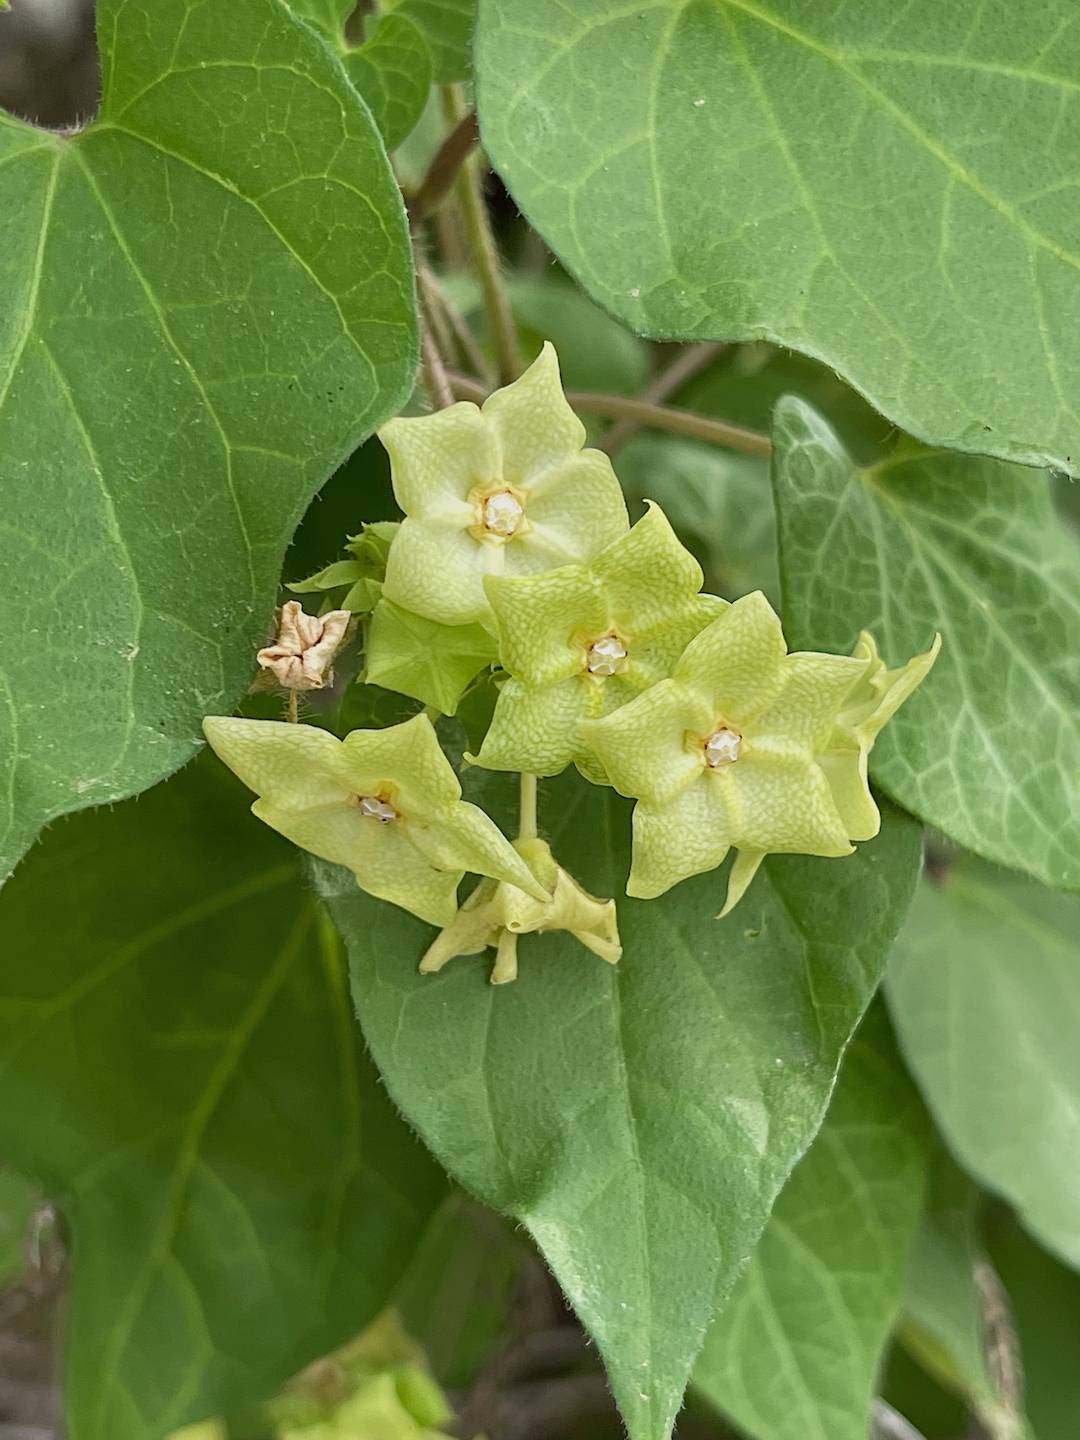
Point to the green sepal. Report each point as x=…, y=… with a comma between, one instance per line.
x=432, y=663
x=363, y=597
x=341, y=572
x=309, y=786
x=642, y=589
x=355, y=584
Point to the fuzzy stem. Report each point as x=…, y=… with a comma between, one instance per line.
x=470, y=193
x=445, y=168
x=687, y=363
x=527, y=812
x=294, y=707
x=434, y=369
x=438, y=300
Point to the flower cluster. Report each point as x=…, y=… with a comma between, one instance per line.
x=516, y=555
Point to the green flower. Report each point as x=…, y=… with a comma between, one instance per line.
x=725, y=753
x=502, y=490
x=580, y=641
x=432, y=663
x=496, y=914
x=354, y=585
x=384, y=803
x=874, y=701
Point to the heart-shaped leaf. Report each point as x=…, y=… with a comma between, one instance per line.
x=179, y=1068
x=841, y=179
x=796, y=1351
x=638, y=1120
x=988, y=750
x=207, y=305
x=391, y=69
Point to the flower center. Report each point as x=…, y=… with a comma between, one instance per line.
x=722, y=747
x=503, y=514
x=377, y=809
x=607, y=656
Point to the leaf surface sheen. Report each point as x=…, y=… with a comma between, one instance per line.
x=988, y=750
x=639, y=1120
x=889, y=189
x=208, y=305
x=180, y=1070
x=984, y=988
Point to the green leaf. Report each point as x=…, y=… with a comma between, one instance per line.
x=989, y=749
x=720, y=504
x=457, y=1296
x=447, y=25
x=984, y=987
x=393, y=70
x=796, y=1351
x=329, y=16
x=18, y=1198
x=179, y=1068
x=744, y=383
x=184, y=358
x=1045, y=1300
x=862, y=184
x=639, y=1119
x=943, y=1325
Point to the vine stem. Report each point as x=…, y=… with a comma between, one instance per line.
x=688, y=362
x=437, y=378
x=445, y=168
x=655, y=417
x=527, y=809
x=470, y=193
x=457, y=328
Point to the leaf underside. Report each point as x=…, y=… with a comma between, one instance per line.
x=984, y=987
x=988, y=749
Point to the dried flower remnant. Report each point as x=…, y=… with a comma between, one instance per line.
x=301, y=656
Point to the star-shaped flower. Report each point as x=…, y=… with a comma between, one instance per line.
x=301, y=656
x=384, y=803
x=875, y=698
x=505, y=489
x=495, y=914
x=584, y=639
x=725, y=753
x=873, y=702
